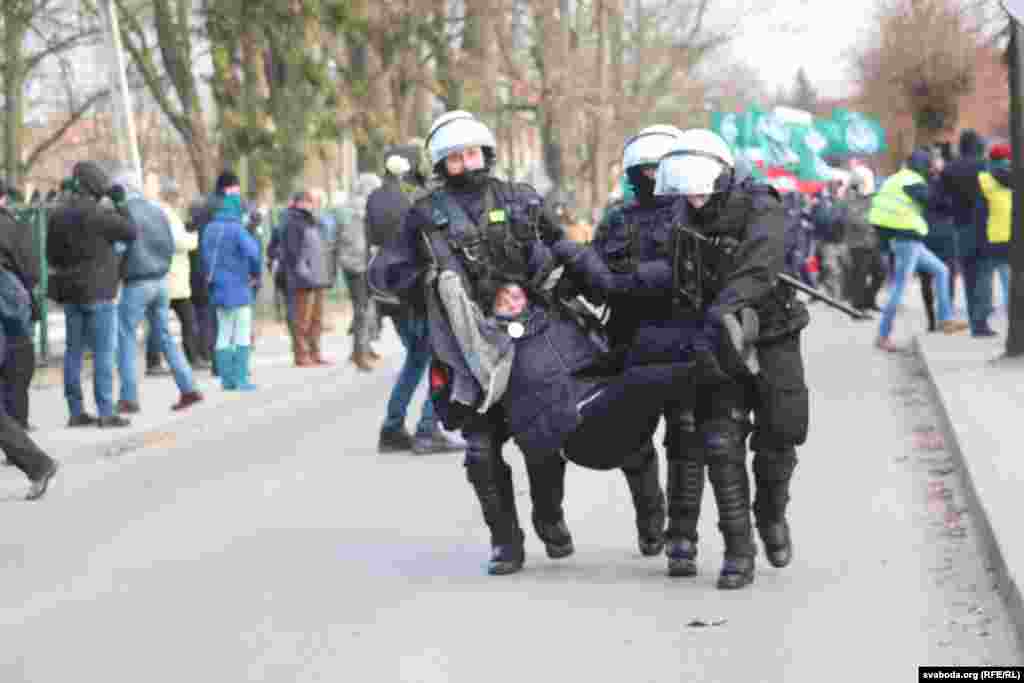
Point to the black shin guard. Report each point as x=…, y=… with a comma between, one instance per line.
x=648, y=501
x=732, y=496
x=684, y=491
x=492, y=483
x=773, y=470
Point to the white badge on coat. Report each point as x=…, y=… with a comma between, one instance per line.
x=516, y=329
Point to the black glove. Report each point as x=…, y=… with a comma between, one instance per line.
x=739, y=354
x=551, y=230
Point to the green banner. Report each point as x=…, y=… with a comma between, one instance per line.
x=766, y=139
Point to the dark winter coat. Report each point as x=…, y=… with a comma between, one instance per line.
x=302, y=251
x=634, y=232
x=18, y=251
x=942, y=234
x=149, y=256
x=385, y=212
x=80, y=250
x=539, y=404
x=960, y=183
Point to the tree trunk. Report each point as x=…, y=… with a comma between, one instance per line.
x=602, y=121
x=14, y=86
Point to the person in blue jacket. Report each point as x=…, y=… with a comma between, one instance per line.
x=231, y=261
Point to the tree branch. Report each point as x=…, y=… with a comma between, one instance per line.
x=72, y=119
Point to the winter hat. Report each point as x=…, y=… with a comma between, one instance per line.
x=397, y=165
x=1000, y=152
x=225, y=180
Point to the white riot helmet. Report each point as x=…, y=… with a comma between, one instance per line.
x=648, y=146
x=863, y=180
x=698, y=163
x=456, y=131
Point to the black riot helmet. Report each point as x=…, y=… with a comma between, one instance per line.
x=89, y=178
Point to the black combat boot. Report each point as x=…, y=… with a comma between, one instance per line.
x=732, y=495
x=773, y=471
x=649, y=503
x=547, y=490
x=685, y=491
x=487, y=480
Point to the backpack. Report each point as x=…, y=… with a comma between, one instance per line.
x=15, y=305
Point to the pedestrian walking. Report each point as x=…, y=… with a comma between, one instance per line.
x=145, y=295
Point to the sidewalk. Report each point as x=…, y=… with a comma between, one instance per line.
x=982, y=398
x=273, y=372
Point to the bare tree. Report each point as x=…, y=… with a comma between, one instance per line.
x=923, y=78
x=35, y=35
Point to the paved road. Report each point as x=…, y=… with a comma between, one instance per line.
x=265, y=540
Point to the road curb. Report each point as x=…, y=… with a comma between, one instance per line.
x=1008, y=586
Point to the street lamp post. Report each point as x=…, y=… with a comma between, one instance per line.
x=125, y=131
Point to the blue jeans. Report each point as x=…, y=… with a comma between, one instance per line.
x=412, y=330
x=149, y=299
x=984, y=296
x=912, y=256
x=96, y=325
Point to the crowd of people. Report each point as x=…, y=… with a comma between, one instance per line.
x=118, y=257
x=941, y=219
x=493, y=293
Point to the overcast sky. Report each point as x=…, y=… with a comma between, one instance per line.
x=808, y=33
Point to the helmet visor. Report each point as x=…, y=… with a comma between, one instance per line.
x=646, y=148
x=686, y=174
x=458, y=135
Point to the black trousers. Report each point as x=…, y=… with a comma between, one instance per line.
x=619, y=418
x=185, y=312
x=21, y=451
x=19, y=365
x=866, y=277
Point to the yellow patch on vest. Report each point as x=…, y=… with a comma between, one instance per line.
x=496, y=216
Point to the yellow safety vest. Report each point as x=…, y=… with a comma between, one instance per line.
x=894, y=209
x=1000, y=208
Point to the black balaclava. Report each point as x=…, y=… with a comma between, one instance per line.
x=643, y=186
x=468, y=180
x=710, y=212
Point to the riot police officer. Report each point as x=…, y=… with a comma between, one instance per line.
x=639, y=230
x=732, y=251
x=471, y=210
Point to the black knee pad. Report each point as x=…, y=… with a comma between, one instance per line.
x=771, y=464
x=723, y=440
x=683, y=441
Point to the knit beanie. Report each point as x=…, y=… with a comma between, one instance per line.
x=225, y=180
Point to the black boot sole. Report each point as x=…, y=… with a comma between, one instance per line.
x=682, y=567
x=779, y=557
x=558, y=552
x=651, y=548
x=731, y=582
x=504, y=568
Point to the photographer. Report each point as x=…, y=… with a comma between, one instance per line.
x=84, y=278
